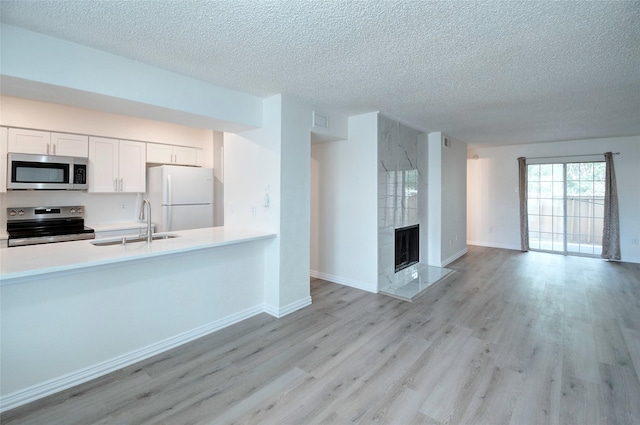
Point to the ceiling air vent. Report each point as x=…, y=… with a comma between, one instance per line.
x=320, y=121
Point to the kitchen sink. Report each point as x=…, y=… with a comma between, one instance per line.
x=129, y=240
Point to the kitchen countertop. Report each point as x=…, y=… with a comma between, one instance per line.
x=34, y=260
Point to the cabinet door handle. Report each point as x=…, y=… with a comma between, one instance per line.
x=115, y=185
x=54, y=149
x=121, y=184
x=48, y=148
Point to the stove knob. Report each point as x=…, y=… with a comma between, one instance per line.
x=79, y=210
x=21, y=212
x=73, y=211
x=12, y=213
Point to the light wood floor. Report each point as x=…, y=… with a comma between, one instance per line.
x=510, y=338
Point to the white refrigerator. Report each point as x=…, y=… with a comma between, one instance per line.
x=181, y=197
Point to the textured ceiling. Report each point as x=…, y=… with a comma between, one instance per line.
x=487, y=73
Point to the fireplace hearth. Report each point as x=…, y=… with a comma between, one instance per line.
x=407, y=247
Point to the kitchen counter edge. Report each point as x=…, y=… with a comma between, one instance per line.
x=20, y=263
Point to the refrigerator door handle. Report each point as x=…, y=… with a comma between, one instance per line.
x=169, y=190
x=166, y=225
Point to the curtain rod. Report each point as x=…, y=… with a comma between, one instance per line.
x=570, y=156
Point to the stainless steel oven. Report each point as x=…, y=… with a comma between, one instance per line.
x=38, y=225
x=46, y=172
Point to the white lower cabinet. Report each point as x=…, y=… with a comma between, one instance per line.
x=116, y=165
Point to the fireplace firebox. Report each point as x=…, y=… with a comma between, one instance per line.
x=407, y=246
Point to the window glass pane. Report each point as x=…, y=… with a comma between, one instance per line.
x=573, y=207
x=533, y=172
x=558, y=172
x=558, y=207
x=534, y=223
x=586, y=226
x=558, y=225
x=558, y=189
x=534, y=240
x=533, y=189
x=573, y=188
x=546, y=189
x=597, y=240
x=573, y=225
x=586, y=249
x=599, y=170
x=546, y=241
x=586, y=188
x=546, y=224
x=546, y=207
x=598, y=188
x=572, y=239
x=573, y=172
x=598, y=209
x=546, y=172
x=586, y=171
x=558, y=242
x=533, y=206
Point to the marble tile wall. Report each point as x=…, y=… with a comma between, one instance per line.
x=399, y=172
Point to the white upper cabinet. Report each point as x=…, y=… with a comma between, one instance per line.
x=46, y=143
x=116, y=165
x=29, y=141
x=185, y=156
x=3, y=159
x=70, y=144
x=132, y=166
x=168, y=154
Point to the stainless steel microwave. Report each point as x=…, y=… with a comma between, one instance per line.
x=46, y=172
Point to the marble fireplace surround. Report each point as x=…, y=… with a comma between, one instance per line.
x=402, y=202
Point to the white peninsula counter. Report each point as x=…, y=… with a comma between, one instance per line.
x=29, y=261
x=74, y=311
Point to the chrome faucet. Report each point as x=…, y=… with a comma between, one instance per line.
x=145, y=202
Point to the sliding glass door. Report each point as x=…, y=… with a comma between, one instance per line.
x=566, y=207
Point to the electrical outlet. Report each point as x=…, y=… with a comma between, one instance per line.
x=123, y=207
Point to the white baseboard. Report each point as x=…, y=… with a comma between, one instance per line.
x=287, y=309
x=344, y=281
x=494, y=245
x=81, y=376
x=453, y=257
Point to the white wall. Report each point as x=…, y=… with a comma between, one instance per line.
x=295, y=203
x=344, y=206
x=447, y=200
x=493, y=208
x=255, y=166
x=25, y=113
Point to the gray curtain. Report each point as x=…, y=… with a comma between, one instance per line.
x=611, y=232
x=522, y=190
